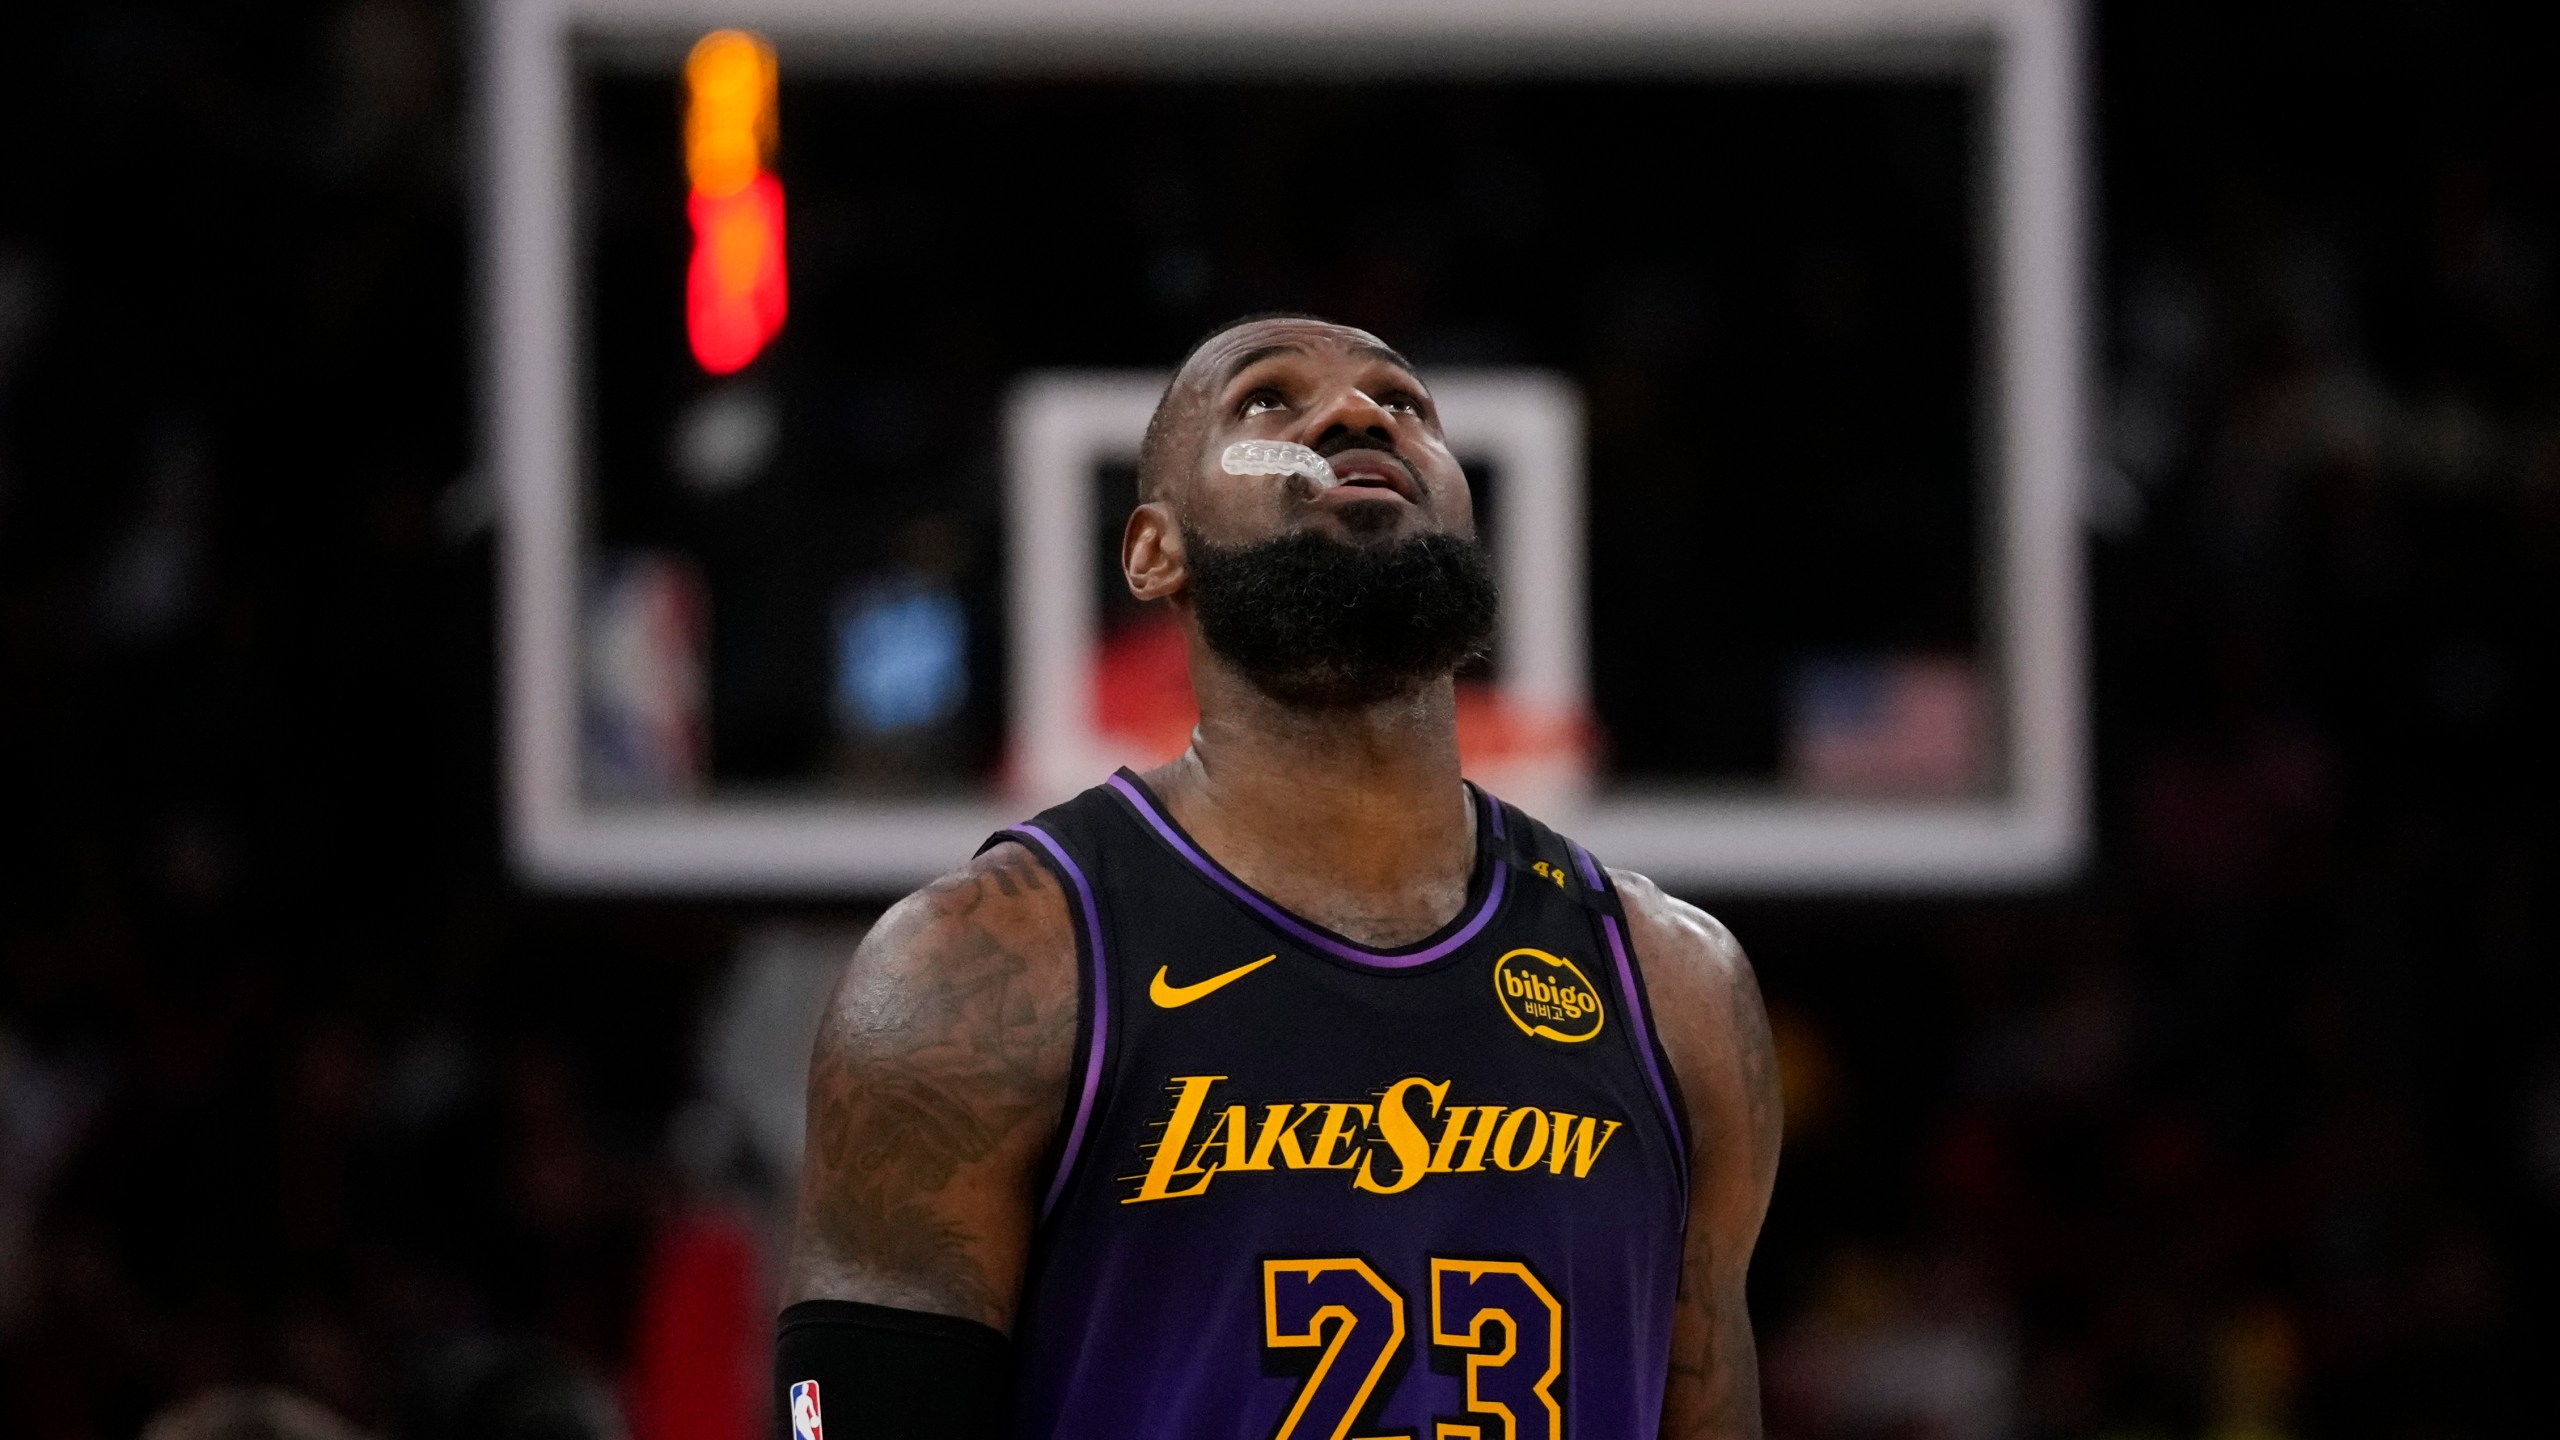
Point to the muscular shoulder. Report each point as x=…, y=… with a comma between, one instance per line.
x=1686, y=951
x=1706, y=1002
x=1000, y=918
x=940, y=1071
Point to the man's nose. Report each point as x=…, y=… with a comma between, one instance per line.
x=1349, y=407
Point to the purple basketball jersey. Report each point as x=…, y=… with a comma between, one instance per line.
x=1311, y=1190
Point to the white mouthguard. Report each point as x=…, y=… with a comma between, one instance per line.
x=1277, y=457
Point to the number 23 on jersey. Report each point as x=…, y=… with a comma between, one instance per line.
x=1494, y=1316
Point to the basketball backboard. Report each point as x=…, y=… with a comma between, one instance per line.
x=1889, y=755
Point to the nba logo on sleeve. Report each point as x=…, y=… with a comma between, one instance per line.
x=805, y=1424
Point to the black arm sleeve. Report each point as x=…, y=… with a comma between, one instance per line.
x=874, y=1373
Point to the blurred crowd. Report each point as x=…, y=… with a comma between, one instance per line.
x=2253, y=1134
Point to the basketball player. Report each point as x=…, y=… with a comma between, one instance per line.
x=1296, y=1088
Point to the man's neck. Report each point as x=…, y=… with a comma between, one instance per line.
x=1352, y=817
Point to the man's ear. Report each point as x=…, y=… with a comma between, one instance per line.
x=1151, y=552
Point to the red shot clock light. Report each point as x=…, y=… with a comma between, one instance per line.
x=733, y=291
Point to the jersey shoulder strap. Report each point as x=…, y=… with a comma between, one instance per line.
x=1538, y=856
x=1073, y=840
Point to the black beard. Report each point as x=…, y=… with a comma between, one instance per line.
x=1317, y=622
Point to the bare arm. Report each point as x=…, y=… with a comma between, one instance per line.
x=939, y=1074
x=1716, y=1032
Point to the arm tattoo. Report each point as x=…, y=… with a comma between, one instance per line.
x=939, y=1073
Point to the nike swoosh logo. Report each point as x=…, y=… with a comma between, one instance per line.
x=1174, y=997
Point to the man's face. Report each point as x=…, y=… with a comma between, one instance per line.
x=1343, y=596
x=1341, y=393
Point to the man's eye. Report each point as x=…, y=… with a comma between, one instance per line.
x=1405, y=403
x=1261, y=403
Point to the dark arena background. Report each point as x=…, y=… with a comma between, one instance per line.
x=2247, y=1127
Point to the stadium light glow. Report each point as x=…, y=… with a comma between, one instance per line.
x=735, y=294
